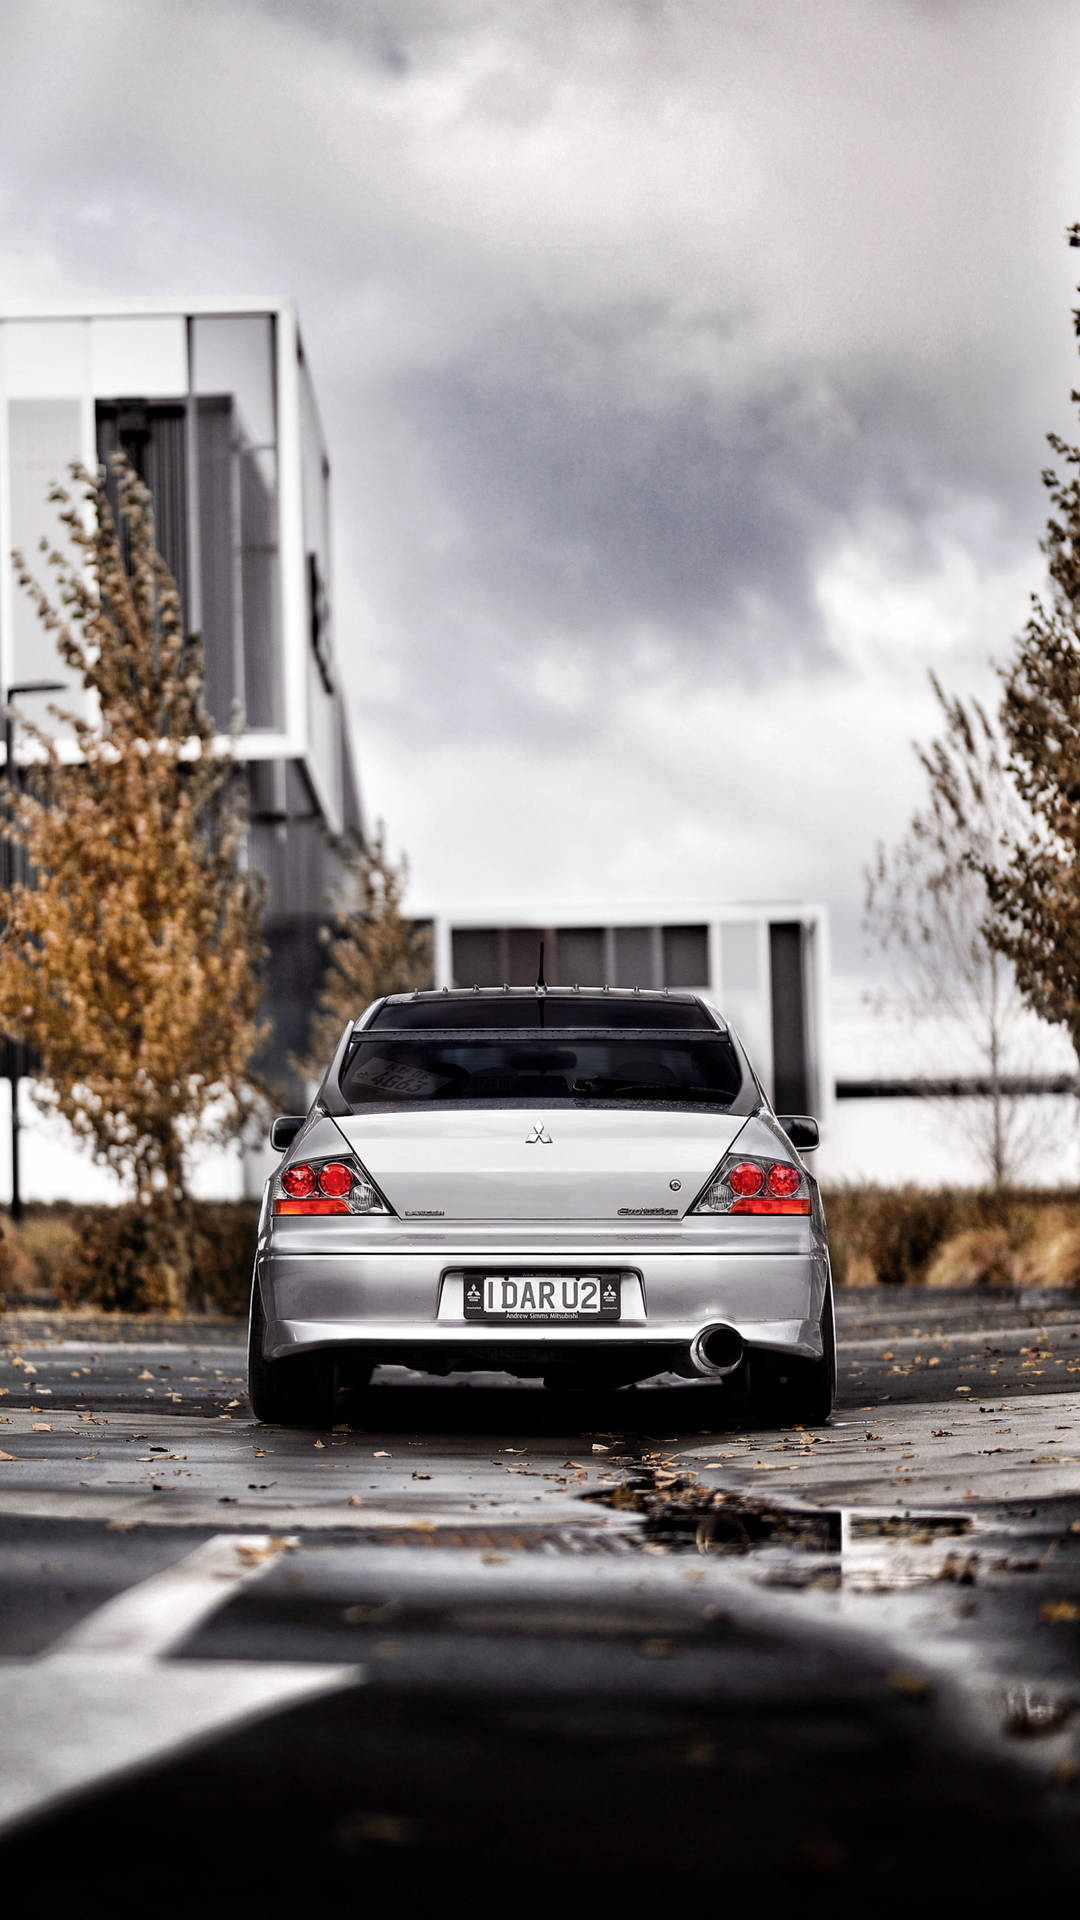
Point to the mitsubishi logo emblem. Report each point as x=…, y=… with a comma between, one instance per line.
x=539, y=1136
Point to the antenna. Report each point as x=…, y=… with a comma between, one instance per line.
x=541, y=983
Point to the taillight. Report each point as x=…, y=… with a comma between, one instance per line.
x=782, y=1181
x=299, y=1181
x=327, y=1186
x=755, y=1186
x=746, y=1179
x=335, y=1179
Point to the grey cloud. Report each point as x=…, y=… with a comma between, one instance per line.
x=622, y=317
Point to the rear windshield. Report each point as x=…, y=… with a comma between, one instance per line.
x=546, y=1010
x=596, y=1069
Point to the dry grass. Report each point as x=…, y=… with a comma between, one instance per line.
x=80, y=1256
x=36, y=1248
x=954, y=1237
x=981, y=1257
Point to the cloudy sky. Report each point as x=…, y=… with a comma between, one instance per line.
x=685, y=365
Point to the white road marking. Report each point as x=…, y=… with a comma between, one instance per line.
x=152, y=1618
x=102, y=1702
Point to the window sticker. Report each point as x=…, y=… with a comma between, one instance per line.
x=395, y=1077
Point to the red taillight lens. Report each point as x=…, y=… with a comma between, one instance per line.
x=334, y=1179
x=298, y=1181
x=782, y=1181
x=745, y=1179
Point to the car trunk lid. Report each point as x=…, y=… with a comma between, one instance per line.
x=554, y=1164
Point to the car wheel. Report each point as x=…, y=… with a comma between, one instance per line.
x=797, y=1392
x=287, y=1393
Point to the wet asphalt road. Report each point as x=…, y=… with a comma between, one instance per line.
x=527, y=1646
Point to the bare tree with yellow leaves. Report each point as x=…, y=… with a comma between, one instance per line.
x=373, y=948
x=130, y=958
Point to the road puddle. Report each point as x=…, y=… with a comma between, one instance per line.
x=680, y=1514
x=792, y=1546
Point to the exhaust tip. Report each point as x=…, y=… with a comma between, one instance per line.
x=717, y=1350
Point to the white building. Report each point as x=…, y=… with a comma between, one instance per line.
x=764, y=964
x=213, y=403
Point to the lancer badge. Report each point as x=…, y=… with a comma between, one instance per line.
x=539, y=1136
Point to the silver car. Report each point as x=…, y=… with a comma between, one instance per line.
x=585, y=1186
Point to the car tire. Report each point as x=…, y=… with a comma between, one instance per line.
x=298, y=1392
x=798, y=1392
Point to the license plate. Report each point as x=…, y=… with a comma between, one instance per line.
x=542, y=1296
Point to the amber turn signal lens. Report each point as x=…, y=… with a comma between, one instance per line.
x=311, y=1206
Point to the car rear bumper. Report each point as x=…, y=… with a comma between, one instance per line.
x=389, y=1303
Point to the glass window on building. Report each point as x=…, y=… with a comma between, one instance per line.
x=523, y=955
x=475, y=957
x=237, y=484
x=686, y=956
x=787, y=966
x=637, y=959
x=152, y=438
x=578, y=960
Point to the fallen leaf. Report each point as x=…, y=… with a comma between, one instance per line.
x=381, y=1454
x=41, y=1426
x=1053, y=1612
x=254, y=1556
x=363, y=1615
x=320, y=1443
x=354, y=1500
x=914, y=1686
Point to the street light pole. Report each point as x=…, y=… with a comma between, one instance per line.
x=14, y=1047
